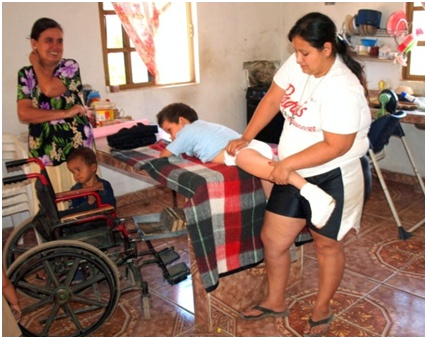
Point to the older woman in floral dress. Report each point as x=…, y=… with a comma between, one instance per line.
x=50, y=100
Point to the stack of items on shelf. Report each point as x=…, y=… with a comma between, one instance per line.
x=102, y=112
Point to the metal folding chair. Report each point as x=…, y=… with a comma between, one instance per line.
x=379, y=135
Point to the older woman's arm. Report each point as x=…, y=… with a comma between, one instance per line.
x=31, y=115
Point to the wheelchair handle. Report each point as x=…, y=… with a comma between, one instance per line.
x=16, y=163
x=22, y=177
x=20, y=162
x=16, y=178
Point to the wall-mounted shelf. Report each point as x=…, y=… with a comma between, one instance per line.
x=397, y=36
x=374, y=59
x=383, y=33
x=380, y=33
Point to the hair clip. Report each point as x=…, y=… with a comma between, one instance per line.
x=344, y=40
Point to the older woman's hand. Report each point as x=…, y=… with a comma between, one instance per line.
x=34, y=58
x=76, y=110
x=235, y=145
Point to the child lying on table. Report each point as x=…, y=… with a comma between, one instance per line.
x=207, y=141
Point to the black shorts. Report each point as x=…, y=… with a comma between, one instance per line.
x=349, y=185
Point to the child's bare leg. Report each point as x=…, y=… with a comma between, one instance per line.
x=267, y=186
x=256, y=164
x=321, y=203
x=296, y=180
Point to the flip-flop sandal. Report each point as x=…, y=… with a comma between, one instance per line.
x=266, y=312
x=313, y=323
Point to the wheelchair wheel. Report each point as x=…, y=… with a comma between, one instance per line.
x=22, y=238
x=65, y=288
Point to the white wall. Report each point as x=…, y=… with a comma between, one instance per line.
x=228, y=35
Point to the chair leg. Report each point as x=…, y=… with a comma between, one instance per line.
x=417, y=174
x=403, y=234
x=413, y=228
x=414, y=167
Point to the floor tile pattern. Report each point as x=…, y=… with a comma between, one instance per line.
x=382, y=293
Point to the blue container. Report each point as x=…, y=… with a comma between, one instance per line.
x=369, y=42
x=368, y=17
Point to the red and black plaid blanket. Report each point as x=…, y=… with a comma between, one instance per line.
x=224, y=210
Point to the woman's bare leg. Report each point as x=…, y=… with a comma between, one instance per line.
x=331, y=261
x=278, y=234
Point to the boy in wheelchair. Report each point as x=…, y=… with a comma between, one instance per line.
x=82, y=163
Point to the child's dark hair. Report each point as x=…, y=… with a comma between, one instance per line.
x=86, y=153
x=174, y=111
x=41, y=25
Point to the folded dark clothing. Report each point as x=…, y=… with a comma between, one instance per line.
x=132, y=142
x=136, y=136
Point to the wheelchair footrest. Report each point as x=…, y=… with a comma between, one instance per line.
x=167, y=224
x=177, y=273
x=168, y=255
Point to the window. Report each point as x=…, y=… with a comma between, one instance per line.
x=416, y=69
x=171, y=49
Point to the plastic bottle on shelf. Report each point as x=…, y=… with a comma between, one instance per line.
x=409, y=41
x=414, y=100
x=409, y=97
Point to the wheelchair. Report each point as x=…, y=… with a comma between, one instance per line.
x=65, y=265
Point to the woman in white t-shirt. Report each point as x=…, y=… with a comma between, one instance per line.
x=321, y=91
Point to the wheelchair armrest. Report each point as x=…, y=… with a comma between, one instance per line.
x=84, y=214
x=84, y=192
x=72, y=194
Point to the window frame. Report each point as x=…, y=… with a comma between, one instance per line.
x=406, y=75
x=127, y=50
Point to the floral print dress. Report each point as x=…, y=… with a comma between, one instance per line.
x=52, y=141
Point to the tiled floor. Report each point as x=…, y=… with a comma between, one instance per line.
x=382, y=293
